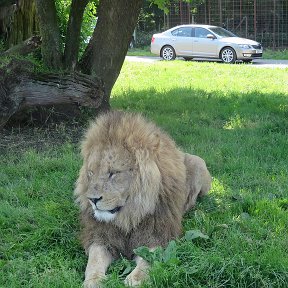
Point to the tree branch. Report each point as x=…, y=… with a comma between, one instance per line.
x=73, y=33
x=50, y=33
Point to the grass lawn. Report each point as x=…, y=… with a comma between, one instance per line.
x=233, y=116
x=277, y=54
x=268, y=53
x=144, y=51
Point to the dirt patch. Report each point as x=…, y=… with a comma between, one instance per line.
x=44, y=129
x=19, y=139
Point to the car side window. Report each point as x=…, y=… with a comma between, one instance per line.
x=201, y=32
x=182, y=32
x=174, y=32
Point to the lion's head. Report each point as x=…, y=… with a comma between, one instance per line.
x=121, y=176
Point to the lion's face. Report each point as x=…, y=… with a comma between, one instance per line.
x=110, y=175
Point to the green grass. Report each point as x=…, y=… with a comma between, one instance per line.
x=281, y=54
x=276, y=54
x=233, y=116
x=144, y=51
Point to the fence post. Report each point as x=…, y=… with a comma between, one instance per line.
x=255, y=19
x=220, y=12
x=274, y=23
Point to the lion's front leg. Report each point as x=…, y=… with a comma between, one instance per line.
x=99, y=260
x=139, y=274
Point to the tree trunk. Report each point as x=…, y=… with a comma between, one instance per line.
x=108, y=46
x=50, y=33
x=17, y=22
x=21, y=89
x=73, y=33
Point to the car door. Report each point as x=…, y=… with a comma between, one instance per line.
x=181, y=41
x=203, y=46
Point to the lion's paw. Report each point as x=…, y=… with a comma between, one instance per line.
x=135, y=278
x=94, y=282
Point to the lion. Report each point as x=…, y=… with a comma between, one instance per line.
x=133, y=189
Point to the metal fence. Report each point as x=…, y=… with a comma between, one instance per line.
x=263, y=20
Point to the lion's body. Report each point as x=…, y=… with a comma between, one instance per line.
x=132, y=167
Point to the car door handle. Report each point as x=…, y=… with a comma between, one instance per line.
x=173, y=39
x=196, y=41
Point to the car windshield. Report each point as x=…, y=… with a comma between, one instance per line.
x=221, y=32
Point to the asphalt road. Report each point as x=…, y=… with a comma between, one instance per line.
x=259, y=63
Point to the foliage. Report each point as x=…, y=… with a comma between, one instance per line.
x=143, y=38
x=63, y=9
x=151, y=17
x=168, y=255
x=88, y=24
x=162, y=4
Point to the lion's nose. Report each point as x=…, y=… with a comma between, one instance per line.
x=95, y=200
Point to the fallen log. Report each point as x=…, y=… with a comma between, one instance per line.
x=21, y=89
x=26, y=47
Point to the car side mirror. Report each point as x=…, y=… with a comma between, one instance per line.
x=211, y=36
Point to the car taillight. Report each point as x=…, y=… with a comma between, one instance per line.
x=152, y=40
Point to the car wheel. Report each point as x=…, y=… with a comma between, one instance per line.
x=168, y=53
x=188, y=58
x=247, y=61
x=228, y=55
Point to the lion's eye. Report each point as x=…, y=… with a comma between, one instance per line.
x=111, y=174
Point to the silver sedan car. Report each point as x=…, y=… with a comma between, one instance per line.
x=204, y=41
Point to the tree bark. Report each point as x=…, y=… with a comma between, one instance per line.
x=73, y=33
x=108, y=46
x=50, y=33
x=21, y=89
x=17, y=22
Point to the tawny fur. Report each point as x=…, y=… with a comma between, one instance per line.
x=152, y=180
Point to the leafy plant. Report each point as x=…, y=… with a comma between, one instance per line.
x=167, y=255
x=194, y=234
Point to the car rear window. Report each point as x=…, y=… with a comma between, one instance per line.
x=182, y=32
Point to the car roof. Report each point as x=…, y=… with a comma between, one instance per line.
x=194, y=25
